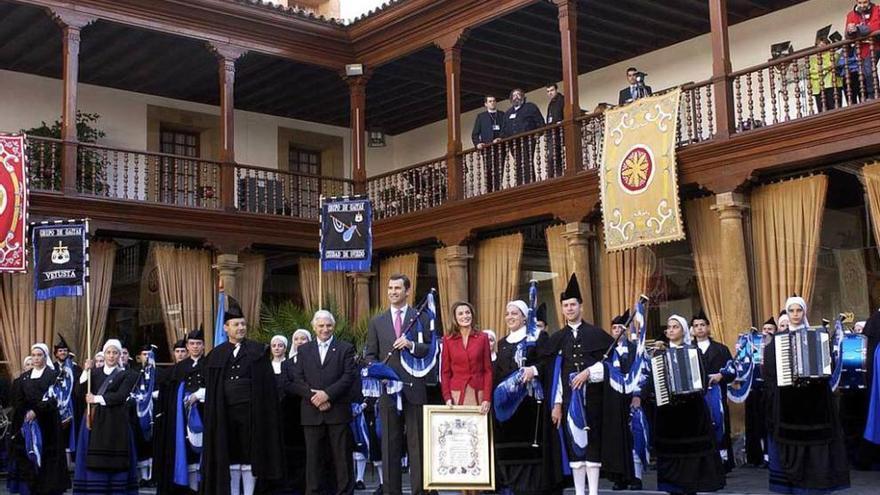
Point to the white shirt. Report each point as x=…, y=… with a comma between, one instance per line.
x=37, y=373
x=323, y=347
x=703, y=345
x=276, y=365
x=237, y=348
x=516, y=336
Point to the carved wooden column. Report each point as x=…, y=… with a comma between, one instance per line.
x=71, y=23
x=457, y=257
x=227, y=268
x=357, y=87
x=568, y=37
x=226, y=57
x=578, y=235
x=721, y=84
x=451, y=45
x=361, y=283
x=736, y=299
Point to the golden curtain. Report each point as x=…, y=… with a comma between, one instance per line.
x=186, y=290
x=337, y=288
x=443, y=292
x=498, y=269
x=102, y=259
x=23, y=321
x=704, y=234
x=250, y=286
x=786, y=226
x=624, y=277
x=871, y=173
x=406, y=264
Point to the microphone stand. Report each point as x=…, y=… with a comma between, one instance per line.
x=419, y=310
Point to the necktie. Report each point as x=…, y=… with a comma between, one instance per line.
x=398, y=322
x=323, y=352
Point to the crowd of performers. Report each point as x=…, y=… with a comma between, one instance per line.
x=307, y=413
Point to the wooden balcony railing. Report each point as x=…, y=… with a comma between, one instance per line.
x=278, y=192
x=516, y=161
x=147, y=176
x=409, y=189
x=44, y=163
x=805, y=83
x=696, y=119
x=592, y=128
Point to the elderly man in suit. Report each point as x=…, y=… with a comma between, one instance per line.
x=386, y=339
x=323, y=376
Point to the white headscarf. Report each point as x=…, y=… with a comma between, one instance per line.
x=24, y=362
x=684, y=326
x=112, y=343
x=43, y=347
x=282, y=338
x=800, y=302
x=495, y=338
x=303, y=331
x=520, y=305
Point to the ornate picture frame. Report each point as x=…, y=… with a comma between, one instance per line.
x=458, y=450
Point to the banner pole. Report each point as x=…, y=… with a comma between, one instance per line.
x=88, y=295
x=321, y=255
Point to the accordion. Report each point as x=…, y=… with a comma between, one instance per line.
x=802, y=355
x=677, y=373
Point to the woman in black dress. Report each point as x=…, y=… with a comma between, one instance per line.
x=684, y=444
x=106, y=461
x=524, y=448
x=29, y=407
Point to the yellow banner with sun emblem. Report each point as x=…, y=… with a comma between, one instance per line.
x=638, y=177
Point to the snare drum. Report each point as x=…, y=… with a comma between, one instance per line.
x=853, y=353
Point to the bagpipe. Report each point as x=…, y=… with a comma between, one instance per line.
x=143, y=395
x=511, y=391
x=630, y=382
x=188, y=431
x=415, y=332
x=62, y=392
x=741, y=369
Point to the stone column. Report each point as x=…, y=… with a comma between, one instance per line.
x=578, y=235
x=361, y=283
x=228, y=267
x=736, y=298
x=457, y=263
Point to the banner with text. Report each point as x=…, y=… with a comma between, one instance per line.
x=346, y=234
x=60, y=259
x=13, y=202
x=638, y=176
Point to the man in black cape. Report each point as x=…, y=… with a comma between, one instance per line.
x=581, y=348
x=188, y=373
x=65, y=364
x=241, y=442
x=715, y=356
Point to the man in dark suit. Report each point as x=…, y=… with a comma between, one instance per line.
x=555, y=114
x=523, y=116
x=386, y=339
x=323, y=376
x=715, y=357
x=635, y=89
x=487, y=131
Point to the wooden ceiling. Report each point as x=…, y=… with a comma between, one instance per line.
x=519, y=49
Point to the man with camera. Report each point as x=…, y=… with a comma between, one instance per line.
x=636, y=89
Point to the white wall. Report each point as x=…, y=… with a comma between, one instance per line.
x=32, y=99
x=689, y=61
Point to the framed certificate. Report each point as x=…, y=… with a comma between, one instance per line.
x=458, y=449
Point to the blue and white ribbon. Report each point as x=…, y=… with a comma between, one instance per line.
x=715, y=402
x=377, y=378
x=628, y=383
x=836, y=356
x=415, y=366
x=641, y=434
x=576, y=419
x=33, y=442
x=741, y=369
x=143, y=396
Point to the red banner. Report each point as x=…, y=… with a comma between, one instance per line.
x=13, y=203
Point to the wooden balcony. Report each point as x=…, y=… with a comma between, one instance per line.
x=777, y=125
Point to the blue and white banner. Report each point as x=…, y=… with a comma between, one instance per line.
x=415, y=366
x=346, y=234
x=61, y=258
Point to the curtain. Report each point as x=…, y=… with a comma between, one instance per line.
x=250, y=286
x=338, y=289
x=561, y=265
x=102, y=259
x=443, y=291
x=704, y=234
x=786, y=226
x=498, y=271
x=186, y=290
x=406, y=264
x=871, y=174
x=624, y=277
x=23, y=321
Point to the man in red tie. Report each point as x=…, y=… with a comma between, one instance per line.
x=386, y=339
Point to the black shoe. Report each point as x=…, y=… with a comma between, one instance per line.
x=636, y=485
x=618, y=486
x=378, y=490
x=360, y=486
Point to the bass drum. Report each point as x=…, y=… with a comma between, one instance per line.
x=854, y=353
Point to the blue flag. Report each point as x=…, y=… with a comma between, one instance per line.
x=219, y=333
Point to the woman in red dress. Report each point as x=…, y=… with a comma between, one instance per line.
x=467, y=361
